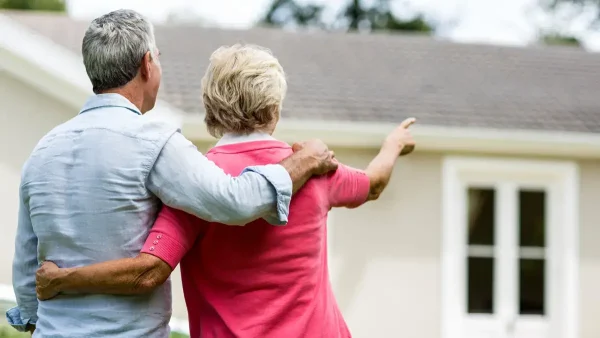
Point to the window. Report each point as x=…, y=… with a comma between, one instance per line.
x=532, y=253
x=508, y=229
x=480, y=252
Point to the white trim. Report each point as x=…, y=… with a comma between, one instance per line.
x=505, y=294
x=532, y=253
x=429, y=138
x=177, y=325
x=562, y=180
x=481, y=251
x=55, y=70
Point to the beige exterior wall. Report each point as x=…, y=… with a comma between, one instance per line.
x=589, y=249
x=385, y=256
x=25, y=116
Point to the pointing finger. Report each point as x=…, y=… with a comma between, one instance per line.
x=408, y=122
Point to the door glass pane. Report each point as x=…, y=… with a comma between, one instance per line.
x=481, y=216
x=532, y=218
x=480, y=285
x=531, y=286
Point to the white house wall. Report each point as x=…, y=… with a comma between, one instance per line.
x=25, y=116
x=385, y=254
x=589, y=249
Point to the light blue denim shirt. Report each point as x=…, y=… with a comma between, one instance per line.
x=90, y=192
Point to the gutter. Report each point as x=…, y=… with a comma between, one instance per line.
x=368, y=135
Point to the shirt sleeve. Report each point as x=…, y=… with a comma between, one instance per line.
x=348, y=187
x=25, y=264
x=173, y=235
x=185, y=179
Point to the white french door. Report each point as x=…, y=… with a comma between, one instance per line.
x=509, y=264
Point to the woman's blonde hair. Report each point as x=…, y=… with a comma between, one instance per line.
x=243, y=90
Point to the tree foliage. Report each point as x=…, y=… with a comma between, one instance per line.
x=354, y=15
x=561, y=40
x=35, y=5
x=575, y=8
x=555, y=3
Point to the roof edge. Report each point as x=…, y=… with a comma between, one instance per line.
x=368, y=135
x=55, y=70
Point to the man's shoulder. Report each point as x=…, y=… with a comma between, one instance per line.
x=95, y=131
x=114, y=121
x=156, y=126
x=141, y=127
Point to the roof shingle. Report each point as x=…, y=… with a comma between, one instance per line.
x=385, y=77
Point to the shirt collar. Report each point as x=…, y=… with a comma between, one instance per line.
x=109, y=100
x=231, y=138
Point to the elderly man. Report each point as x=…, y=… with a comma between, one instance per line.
x=93, y=186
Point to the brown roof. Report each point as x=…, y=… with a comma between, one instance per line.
x=384, y=78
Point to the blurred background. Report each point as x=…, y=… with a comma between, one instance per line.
x=488, y=230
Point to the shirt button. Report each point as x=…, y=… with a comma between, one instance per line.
x=151, y=248
x=159, y=236
x=155, y=242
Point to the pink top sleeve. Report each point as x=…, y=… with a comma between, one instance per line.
x=348, y=187
x=173, y=234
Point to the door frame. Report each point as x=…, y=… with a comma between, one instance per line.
x=563, y=177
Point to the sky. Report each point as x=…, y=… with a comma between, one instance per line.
x=506, y=22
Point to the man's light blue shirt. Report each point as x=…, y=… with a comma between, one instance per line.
x=90, y=192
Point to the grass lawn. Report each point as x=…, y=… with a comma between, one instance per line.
x=8, y=332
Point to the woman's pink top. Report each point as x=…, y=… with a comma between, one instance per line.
x=260, y=280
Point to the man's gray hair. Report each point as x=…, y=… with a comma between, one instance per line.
x=114, y=46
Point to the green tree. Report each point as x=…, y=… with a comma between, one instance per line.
x=354, y=15
x=289, y=12
x=561, y=14
x=35, y=5
x=574, y=9
x=582, y=3
x=560, y=40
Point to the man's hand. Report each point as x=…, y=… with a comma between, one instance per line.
x=309, y=158
x=401, y=138
x=323, y=159
x=46, y=281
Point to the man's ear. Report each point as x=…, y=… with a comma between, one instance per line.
x=146, y=66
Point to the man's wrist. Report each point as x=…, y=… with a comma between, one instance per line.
x=59, y=281
x=312, y=162
x=301, y=162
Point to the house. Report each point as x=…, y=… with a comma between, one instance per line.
x=490, y=229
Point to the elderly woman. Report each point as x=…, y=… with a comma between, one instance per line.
x=257, y=280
